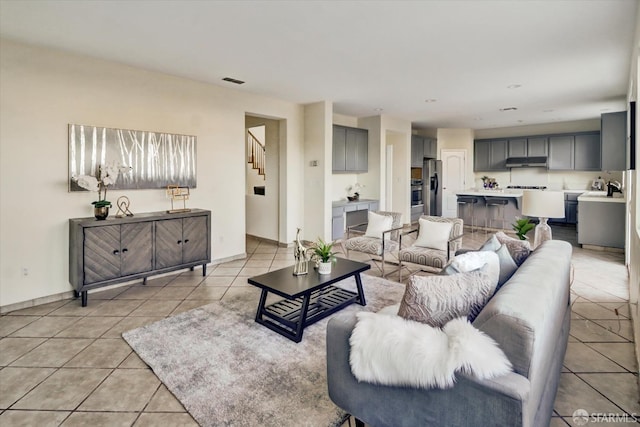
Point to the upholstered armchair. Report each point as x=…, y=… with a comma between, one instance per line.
x=437, y=240
x=380, y=238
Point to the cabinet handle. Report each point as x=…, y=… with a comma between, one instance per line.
x=116, y=252
x=125, y=250
x=186, y=240
x=179, y=241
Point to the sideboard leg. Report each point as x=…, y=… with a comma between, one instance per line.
x=144, y=280
x=84, y=298
x=204, y=270
x=192, y=268
x=76, y=294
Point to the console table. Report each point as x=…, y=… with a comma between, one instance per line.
x=116, y=250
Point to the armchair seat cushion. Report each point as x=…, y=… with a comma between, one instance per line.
x=425, y=256
x=370, y=245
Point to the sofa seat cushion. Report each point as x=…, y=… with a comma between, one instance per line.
x=435, y=300
x=390, y=350
x=370, y=245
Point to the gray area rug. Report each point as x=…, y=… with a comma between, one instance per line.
x=228, y=370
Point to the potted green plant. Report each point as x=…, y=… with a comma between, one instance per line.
x=323, y=255
x=522, y=226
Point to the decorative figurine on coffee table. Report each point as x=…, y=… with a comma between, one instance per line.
x=301, y=265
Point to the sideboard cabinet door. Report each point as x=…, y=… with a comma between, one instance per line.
x=195, y=245
x=101, y=253
x=136, y=248
x=168, y=243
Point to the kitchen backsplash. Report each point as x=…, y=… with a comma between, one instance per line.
x=557, y=180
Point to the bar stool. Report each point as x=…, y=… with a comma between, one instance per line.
x=499, y=203
x=466, y=203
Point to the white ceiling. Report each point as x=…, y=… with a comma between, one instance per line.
x=571, y=58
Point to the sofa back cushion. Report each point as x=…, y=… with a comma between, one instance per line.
x=525, y=315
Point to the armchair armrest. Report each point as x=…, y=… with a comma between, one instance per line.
x=353, y=228
x=415, y=230
x=451, y=240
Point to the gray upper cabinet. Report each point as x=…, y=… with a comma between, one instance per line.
x=430, y=148
x=481, y=155
x=422, y=147
x=498, y=157
x=587, y=153
x=537, y=146
x=417, y=151
x=613, y=138
x=350, y=149
x=561, y=152
x=490, y=155
x=528, y=147
x=517, y=147
x=575, y=152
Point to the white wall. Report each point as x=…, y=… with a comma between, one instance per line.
x=262, y=211
x=43, y=90
x=318, y=137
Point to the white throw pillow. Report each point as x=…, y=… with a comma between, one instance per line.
x=377, y=224
x=474, y=260
x=433, y=234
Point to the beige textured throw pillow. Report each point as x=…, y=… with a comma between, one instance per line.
x=519, y=249
x=433, y=234
x=435, y=300
x=377, y=224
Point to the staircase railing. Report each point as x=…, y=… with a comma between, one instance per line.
x=256, y=154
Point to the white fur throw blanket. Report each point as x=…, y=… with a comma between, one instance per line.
x=390, y=350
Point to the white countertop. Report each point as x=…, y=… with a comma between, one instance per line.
x=490, y=193
x=601, y=196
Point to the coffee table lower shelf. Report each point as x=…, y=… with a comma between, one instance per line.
x=289, y=317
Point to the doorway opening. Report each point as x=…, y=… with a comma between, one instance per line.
x=262, y=193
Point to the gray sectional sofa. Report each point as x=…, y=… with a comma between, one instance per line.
x=529, y=317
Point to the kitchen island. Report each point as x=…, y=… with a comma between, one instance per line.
x=483, y=211
x=601, y=219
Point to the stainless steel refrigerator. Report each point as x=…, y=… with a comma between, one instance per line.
x=432, y=183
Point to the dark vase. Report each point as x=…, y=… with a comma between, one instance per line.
x=101, y=213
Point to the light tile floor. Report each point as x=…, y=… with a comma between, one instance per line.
x=62, y=364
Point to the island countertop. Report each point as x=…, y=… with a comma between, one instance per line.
x=601, y=196
x=490, y=193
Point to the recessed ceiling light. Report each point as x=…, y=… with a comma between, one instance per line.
x=477, y=119
x=605, y=109
x=520, y=121
x=232, y=80
x=548, y=111
x=509, y=109
x=430, y=100
x=378, y=109
x=516, y=86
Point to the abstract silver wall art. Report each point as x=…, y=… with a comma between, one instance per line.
x=157, y=159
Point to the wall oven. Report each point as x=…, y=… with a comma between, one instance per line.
x=416, y=192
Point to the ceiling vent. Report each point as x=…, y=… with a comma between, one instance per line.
x=232, y=80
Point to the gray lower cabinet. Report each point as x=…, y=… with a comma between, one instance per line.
x=103, y=253
x=350, y=149
x=345, y=214
x=601, y=223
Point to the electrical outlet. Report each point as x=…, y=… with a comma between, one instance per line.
x=25, y=271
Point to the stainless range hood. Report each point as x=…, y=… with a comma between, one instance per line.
x=523, y=162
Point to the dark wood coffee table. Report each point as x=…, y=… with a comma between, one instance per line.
x=308, y=298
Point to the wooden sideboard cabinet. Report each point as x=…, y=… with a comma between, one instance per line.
x=116, y=250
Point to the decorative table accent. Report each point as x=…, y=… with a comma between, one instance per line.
x=323, y=255
x=300, y=254
x=123, y=207
x=106, y=175
x=176, y=192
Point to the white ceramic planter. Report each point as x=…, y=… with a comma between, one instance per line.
x=324, y=268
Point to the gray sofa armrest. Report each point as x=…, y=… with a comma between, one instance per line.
x=470, y=402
